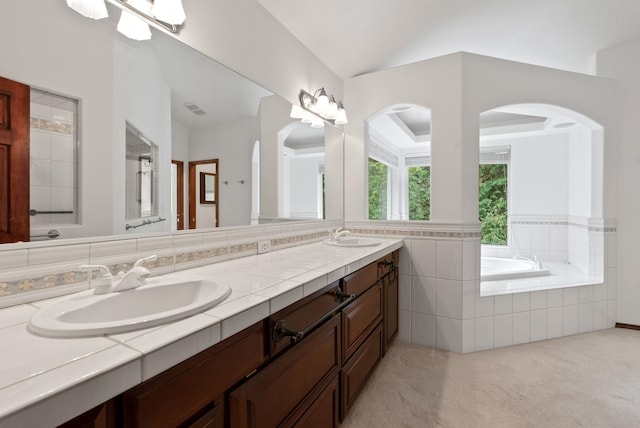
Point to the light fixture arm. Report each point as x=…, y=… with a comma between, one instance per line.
x=122, y=4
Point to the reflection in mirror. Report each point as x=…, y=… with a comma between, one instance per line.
x=190, y=106
x=141, y=176
x=207, y=186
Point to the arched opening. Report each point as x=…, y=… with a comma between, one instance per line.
x=301, y=172
x=398, y=142
x=540, y=198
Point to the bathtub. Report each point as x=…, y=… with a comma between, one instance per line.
x=495, y=269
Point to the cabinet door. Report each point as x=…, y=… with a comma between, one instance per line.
x=360, y=318
x=323, y=413
x=358, y=369
x=181, y=394
x=359, y=281
x=289, y=383
x=102, y=416
x=390, y=284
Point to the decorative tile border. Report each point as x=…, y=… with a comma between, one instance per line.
x=51, y=125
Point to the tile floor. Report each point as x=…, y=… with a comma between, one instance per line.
x=587, y=380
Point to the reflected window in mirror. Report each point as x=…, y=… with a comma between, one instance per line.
x=207, y=188
x=141, y=184
x=399, y=163
x=53, y=159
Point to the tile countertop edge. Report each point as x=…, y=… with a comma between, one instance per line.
x=18, y=405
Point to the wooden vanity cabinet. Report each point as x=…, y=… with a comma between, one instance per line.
x=389, y=279
x=191, y=393
x=285, y=390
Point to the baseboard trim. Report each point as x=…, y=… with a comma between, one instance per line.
x=629, y=326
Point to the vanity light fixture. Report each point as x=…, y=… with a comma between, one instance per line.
x=94, y=9
x=137, y=15
x=318, y=108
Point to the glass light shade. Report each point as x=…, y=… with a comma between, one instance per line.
x=316, y=122
x=95, y=9
x=296, y=112
x=169, y=11
x=306, y=117
x=341, y=117
x=332, y=109
x=133, y=27
x=322, y=102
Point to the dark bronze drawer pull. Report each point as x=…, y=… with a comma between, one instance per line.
x=280, y=330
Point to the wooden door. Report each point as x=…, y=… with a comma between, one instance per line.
x=179, y=194
x=14, y=161
x=194, y=195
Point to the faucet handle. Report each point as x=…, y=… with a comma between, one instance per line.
x=145, y=260
x=103, y=282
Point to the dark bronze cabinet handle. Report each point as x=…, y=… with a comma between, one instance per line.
x=280, y=330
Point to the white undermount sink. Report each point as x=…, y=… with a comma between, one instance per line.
x=88, y=314
x=352, y=242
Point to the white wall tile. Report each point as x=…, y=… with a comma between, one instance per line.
x=468, y=335
x=404, y=292
x=468, y=299
x=540, y=242
x=521, y=328
x=586, y=294
x=62, y=198
x=423, y=329
x=538, y=300
x=13, y=259
x=503, y=331
x=521, y=239
x=404, y=265
x=423, y=295
x=554, y=322
x=612, y=312
x=599, y=292
x=612, y=283
x=40, y=144
x=77, y=252
x=62, y=148
x=586, y=317
x=538, y=326
x=112, y=248
x=449, y=334
x=571, y=320
x=484, y=333
x=484, y=305
x=404, y=326
x=423, y=258
x=449, y=260
x=156, y=243
x=40, y=172
x=469, y=260
x=554, y=298
x=449, y=298
x=503, y=304
x=611, y=254
x=600, y=318
x=570, y=296
x=521, y=304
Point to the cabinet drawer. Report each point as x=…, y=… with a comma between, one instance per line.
x=302, y=314
x=176, y=395
x=267, y=398
x=359, y=368
x=359, y=319
x=359, y=281
x=387, y=263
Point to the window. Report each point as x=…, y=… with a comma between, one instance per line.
x=378, y=179
x=419, y=192
x=493, y=206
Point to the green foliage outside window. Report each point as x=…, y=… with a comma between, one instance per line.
x=419, y=192
x=377, y=190
x=493, y=203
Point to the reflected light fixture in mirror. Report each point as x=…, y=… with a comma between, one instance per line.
x=318, y=108
x=136, y=15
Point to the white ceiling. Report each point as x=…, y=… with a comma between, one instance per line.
x=358, y=36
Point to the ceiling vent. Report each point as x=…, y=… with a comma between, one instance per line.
x=195, y=109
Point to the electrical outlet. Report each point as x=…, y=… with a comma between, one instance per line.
x=264, y=247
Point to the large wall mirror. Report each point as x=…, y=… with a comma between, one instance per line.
x=187, y=107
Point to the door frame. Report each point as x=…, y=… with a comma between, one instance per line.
x=179, y=193
x=194, y=196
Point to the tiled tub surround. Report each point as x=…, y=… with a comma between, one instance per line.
x=46, y=379
x=47, y=269
x=441, y=305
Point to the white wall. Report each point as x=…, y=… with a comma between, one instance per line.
x=302, y=192
x=232, y=144
x=623, y=64
x=47, y=45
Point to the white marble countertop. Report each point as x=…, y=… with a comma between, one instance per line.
x=46, y=381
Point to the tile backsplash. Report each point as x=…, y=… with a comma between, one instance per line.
x=32, y=272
